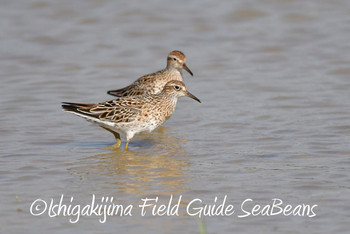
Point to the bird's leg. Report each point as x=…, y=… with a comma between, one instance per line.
x=117, y=137
x=126, y=146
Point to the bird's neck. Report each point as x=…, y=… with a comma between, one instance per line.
x=173, y=74
x=171, y=69
x=166, y=99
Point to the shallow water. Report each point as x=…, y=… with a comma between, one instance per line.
x=273, y=78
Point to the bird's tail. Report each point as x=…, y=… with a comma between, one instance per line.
x=76, y=107
x=116, y=92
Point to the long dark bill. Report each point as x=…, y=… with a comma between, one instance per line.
x=193, y=97
x=187, y=69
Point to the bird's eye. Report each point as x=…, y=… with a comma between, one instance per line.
x=174, y=59
x=177, y=87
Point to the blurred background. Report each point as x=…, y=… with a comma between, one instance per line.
x=273, y=78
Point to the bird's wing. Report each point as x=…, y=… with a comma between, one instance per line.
x=117, y=110
x=141, y=86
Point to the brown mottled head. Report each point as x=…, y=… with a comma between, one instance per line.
x=176, y=88
x=177, y=59
x=178, y=54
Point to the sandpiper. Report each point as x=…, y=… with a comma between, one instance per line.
x=127, y=116
x=154, y=83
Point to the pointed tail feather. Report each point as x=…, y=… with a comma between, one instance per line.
x=117, y=92
x=79, y=104
x=69, y=108
x=79, y=109
x=74, y=107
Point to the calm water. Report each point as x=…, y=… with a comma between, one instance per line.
x=274, y=80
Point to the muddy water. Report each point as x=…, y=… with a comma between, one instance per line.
x=273, y=78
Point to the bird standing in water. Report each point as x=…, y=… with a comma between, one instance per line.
x=127, y=116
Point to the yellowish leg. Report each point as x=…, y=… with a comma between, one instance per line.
x=126, y=146
x=117, y=137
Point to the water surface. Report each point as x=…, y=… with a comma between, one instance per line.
x=273, y=78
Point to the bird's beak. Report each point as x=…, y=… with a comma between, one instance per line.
x=193, y=97
x=187, y=69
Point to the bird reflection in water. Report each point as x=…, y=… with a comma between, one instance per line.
x=159, y=169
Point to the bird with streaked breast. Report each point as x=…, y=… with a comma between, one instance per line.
x=127, y=116
x=154, y=83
